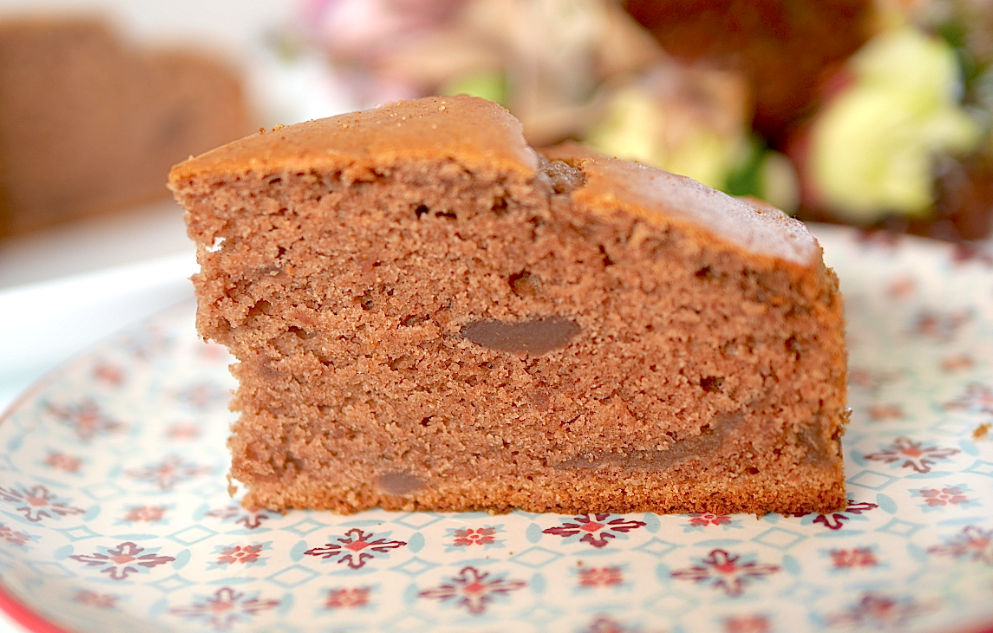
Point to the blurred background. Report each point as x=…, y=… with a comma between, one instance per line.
x=874, y=113
x=97, y=99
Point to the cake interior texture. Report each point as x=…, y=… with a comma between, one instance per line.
x=427, y=314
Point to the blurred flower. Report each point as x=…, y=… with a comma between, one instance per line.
x=690, y=121
x=874, y=144
x=694, y=121
x=366, y=29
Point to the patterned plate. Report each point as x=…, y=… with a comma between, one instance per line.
x=115, y=515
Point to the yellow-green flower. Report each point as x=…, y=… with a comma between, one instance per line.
x=873, y=146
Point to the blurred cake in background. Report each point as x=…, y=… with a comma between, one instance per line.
x=784, y=48
x=91, y=124
x=875, y=114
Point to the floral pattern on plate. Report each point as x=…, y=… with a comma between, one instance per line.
x=115, y=513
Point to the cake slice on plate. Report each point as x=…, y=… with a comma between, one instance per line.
x=428, y=314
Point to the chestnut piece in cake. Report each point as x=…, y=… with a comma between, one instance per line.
x=430, y=315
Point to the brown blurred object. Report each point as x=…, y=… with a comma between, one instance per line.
x=965, y=199
x=785, y=47
x=963, y=209
x=90, y=124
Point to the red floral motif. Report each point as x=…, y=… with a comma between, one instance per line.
x=239, y=554
x=957, y=362
x=606, y=624
x=13, y=537
x=871, y=380
x=600, y=576
x=183, y=431
x=747, y=624
x=94, y=599
x=214, y=352
x=725, y=571
x=123, y=560
x=145, y=514
x=347, y=598
x=880, y=412
x=978, y=398
x=86, y=419
x=704, y=519
x=913, y=454
x=973, y=543
x=355, y=548
x=225, y=608
x=596, y=530
x=201, y=395
x=937, y=498
x=109, y=374
x=852, y=558
x=473, y=590
x=251, y=518
x=169, y=472
x=469, y=536
x=36, y=503
x=901, y=287
x=940, y=325
x=877, y=611
x=63, y=462
x=835, y=521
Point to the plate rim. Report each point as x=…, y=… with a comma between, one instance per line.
x=23, y=615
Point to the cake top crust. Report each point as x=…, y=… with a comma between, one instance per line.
x=480, y=134
x=475, y=132
x=651, y=193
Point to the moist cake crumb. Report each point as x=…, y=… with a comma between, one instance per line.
x=428, y=314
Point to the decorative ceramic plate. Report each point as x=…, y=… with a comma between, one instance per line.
x=115, y=513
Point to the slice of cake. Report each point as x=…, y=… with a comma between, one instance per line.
x=89, y=123
x=430, y=315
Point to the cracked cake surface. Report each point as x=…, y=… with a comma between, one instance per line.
x=428, y=314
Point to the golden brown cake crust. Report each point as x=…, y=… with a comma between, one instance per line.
x=475, y=326
x=652, y=193
x=468, y=129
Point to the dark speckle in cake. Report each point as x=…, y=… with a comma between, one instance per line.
x=535, y=337
x=399, y=483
